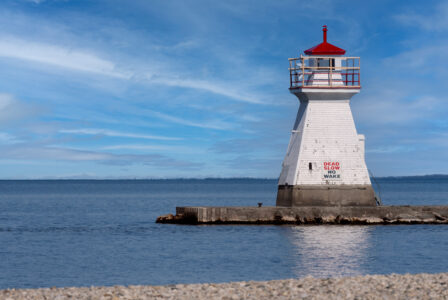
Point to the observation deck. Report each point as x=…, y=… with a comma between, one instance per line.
x=335, y=72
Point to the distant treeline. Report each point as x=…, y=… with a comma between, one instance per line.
x=224, y=179
x=424, y=177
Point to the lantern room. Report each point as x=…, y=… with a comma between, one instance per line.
x=323, y=66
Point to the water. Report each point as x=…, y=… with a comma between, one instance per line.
x=83, y=233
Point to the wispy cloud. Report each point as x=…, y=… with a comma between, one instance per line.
x=227, y=90
x=112, y=133
x=219, y=125
x=8, y=139
x=164, y=148
x=391, y=149
x=88, y=61
x=436, y=20
x=420, y=59
x=183, y=45
x=58, y=56
x=138, y=147
x=396, y=107
x=32, y=152
x=14, y=110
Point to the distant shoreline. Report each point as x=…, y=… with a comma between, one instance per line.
x=431, y=176
x=393, y=286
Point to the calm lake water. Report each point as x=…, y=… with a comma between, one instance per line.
x=91, y=232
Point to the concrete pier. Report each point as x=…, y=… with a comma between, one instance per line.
x=373, y=215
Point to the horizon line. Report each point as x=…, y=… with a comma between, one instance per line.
x=193, y=178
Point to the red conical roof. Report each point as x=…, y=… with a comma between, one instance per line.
x=325, y=48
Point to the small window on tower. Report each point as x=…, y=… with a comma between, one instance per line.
x=325, y=62
x=310, y=166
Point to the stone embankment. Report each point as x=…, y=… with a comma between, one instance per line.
x=419, y=286
x=368, y=215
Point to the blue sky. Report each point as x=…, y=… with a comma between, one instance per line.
x=162, y=89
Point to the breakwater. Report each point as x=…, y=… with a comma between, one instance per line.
x=418, y=286
x=309, y=215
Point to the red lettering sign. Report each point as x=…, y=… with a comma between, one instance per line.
x=331, y=165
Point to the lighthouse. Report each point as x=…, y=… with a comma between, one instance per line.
x=324, y=163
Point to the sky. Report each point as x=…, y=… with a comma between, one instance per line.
x=194, y=89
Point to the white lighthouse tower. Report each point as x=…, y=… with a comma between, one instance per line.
x=324, y=164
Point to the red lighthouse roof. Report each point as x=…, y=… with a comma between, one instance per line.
x=325, y=48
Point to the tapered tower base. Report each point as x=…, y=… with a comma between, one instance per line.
x=320, y=195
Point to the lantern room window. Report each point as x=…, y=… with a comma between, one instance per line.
x=327, y=72
x=325, y=67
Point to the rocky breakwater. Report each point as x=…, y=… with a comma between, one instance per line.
x=419, y=286
x=373, y=215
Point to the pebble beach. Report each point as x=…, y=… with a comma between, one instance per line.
x=418, y=286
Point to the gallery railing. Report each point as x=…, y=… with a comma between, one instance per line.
x=325, y=72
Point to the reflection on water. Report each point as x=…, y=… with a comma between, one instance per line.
x=326, y=251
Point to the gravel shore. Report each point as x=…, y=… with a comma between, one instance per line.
x=419, y=286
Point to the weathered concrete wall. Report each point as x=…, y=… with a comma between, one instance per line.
x=309, y=215
x=329, y=195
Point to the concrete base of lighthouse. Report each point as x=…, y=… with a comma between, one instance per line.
x=321, y=195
